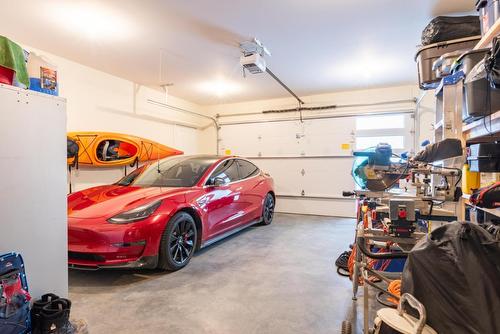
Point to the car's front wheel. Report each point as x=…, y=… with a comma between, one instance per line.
x=178, y=242
x=268, y=209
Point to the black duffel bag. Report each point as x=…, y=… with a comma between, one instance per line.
x=447, y=28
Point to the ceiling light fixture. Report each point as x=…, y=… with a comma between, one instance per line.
x=90, y=20
x=219, y=87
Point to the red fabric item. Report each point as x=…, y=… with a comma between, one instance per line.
x=491, y=193
x=10, y=289
x=6, y=75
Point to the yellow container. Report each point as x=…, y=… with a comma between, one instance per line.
x=470, y=180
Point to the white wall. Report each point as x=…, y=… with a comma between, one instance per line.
x=98, y=101
x=321, y=177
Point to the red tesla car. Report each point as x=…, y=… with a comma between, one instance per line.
x=160, y=214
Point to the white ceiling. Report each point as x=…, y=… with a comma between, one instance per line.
x=317, y=45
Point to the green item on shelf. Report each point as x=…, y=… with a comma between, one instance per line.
x=12, y=57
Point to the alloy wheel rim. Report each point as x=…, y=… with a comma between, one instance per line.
x=181, y=242
x=269, y=209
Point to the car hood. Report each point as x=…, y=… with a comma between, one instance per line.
x=107, y=201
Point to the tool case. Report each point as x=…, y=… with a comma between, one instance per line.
x=484, y=157
x=14, y=296
x=427, y=55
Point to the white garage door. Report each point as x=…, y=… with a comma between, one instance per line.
x=311, y=161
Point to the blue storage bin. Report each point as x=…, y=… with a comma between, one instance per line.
x=36, y=85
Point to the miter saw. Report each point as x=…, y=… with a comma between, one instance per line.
x=376, y=168
x=427, y=184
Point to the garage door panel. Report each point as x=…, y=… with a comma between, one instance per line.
x=286, y=174
x=329, y=137
x=325, y=207
x=318, y=177
x=312, y=158
x=311, y=138
x=327, y=176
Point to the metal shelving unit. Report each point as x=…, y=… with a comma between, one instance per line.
x=448, y=120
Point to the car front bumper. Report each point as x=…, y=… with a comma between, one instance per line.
x=144, y=262
x=94, y=244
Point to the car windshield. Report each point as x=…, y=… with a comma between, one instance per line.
x=171, y=172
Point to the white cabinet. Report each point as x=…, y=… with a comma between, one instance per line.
x=33, y=186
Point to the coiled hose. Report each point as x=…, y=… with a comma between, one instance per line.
x=342, y=263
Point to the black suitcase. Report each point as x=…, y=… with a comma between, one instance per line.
x=484, y=157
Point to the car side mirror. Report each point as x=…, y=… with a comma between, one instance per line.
x=218, y=181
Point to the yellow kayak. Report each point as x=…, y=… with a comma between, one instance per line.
x=106, y=149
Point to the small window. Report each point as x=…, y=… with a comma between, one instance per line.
x=227, y=170
x=247, y=169
x=380, y=122
x=396, y=142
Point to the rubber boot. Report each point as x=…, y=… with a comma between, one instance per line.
x=38, y=305
x=55, y=317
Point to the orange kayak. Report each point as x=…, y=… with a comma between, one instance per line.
x=106, y=149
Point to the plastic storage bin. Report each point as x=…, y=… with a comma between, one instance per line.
x=444, y=64
x=489, y=12
x=480, y=98
x=427, y=55
x=43, y=75
x=465, y=64
x=470, y=58
x=484, y=157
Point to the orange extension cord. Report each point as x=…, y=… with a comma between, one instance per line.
x=370, y=264
x=394, y=288
x=350, y=264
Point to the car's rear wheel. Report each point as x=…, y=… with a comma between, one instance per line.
x=178, y=242
x=268, y=209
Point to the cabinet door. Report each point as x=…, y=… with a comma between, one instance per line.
x=33, y=188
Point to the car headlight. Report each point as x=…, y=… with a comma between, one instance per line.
x=140, y=213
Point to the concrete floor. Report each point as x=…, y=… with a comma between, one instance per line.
x=267, y=279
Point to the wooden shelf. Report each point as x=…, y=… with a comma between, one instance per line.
x=494, y=212
x=483, y=130
x=488, y=37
